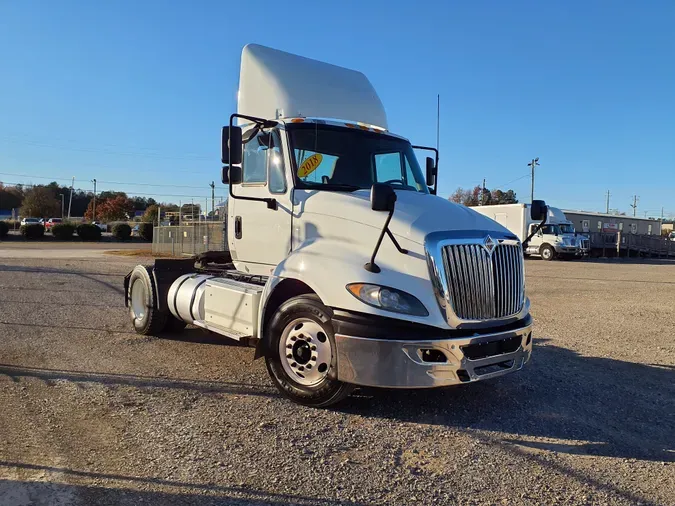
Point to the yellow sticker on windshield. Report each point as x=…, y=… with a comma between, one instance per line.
x=310, y=165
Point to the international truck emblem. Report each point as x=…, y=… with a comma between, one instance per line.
x=489, y=244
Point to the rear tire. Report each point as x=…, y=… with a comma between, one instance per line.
x=547, y=252
x=302, y=328
x=145, y=317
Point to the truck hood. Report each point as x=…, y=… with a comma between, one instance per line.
x=415, y=216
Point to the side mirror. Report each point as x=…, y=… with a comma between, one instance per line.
x=382, y=197
x=231, y=138
x=431, y=171
x=538, y=210
x=231, y=174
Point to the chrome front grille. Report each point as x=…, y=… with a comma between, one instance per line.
x=484, y=284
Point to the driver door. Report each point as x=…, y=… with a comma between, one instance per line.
x=259, y=237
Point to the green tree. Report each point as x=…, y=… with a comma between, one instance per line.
x=150, y=215
x=473, y=197
x=39, y=202
x=467, y=197
x=190, y=210
x=500, y=197
x=10, y=197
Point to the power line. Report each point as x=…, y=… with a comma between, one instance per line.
x=105, y=151
x=105, y=182
x=512, y=181
x=137, y=194
x=79, y=141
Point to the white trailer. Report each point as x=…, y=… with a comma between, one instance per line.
x=555, y=239
x=344, y=266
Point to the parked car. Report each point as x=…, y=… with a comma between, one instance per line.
x=51, y=222
x=31, y=221
x=100, y=225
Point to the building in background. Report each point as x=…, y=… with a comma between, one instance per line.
x=586, y=221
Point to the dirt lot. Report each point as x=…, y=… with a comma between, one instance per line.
x=91, y=413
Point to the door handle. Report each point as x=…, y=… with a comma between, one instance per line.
x=237, y=227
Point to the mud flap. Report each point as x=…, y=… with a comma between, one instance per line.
x=165, y=272
x=126, y=289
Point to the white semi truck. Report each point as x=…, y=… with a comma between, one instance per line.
x=344, y=267
x=556, y=239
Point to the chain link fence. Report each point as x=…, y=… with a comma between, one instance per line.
x=623, y=244
x=189, y=239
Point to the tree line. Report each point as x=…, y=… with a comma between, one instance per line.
x=44, y=201
x=479, y=196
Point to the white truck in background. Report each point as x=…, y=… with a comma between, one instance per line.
x=556, y=239
x=344, y=267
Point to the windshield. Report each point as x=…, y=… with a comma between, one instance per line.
x=347, y=159
x=551, y=229
x=567, y=228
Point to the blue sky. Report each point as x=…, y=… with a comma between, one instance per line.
x=136, y=91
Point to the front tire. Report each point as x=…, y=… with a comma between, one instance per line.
x=301, y=354
x=547, y=252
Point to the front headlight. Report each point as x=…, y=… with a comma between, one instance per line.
x=389, y=299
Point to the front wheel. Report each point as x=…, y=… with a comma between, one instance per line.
x=302, y=357
x=547, y=252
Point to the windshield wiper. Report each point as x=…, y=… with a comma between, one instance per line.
x=332, y=186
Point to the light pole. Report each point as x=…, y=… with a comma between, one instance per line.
x=93, y=214
x=533, y=164
x=70, y=202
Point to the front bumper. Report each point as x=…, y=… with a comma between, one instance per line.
x=566, y=250
x=431, y=362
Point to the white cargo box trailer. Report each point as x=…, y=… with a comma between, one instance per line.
x=555, y=239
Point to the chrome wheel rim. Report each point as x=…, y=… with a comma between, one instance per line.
x=547, y=253
x=138, y=300
x=305, y=352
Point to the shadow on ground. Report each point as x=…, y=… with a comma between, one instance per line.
x=606, y=407
x=16, y=373
x=19, y=492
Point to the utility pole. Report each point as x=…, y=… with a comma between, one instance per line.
x=634, y=204
x=607, y=202
x=482, y=194
x=213, y=200
x=70, y=201
x=93, y=214
x=532, y=165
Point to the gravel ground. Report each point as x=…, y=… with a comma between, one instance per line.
x=93, y=414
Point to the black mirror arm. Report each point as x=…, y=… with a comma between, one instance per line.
x=535, y=231
x=372, y=266
x=403, y=251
